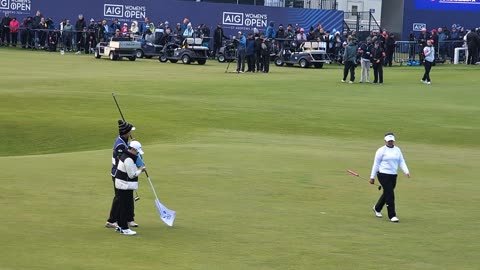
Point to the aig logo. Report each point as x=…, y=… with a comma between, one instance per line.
x=418, y=26
x=110, y=10
x=232, y=18
x=4, y=4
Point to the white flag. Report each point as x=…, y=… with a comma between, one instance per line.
x=167, y=215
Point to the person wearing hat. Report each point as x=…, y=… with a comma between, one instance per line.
x=241, y=52
x=377, y=58
x=119, y=148
x=429, y=59
x=385, y=167
x=365, y=51
x=218, y=37
x=349, y=60
x=126, y=181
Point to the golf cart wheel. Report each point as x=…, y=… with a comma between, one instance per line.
x=221, y=58
x=139, y=53
x=202, y=61
x=97, y=54
x=304, y=63
x=173, y=61
x=279, y=62
x=186, y=59
x=132, y=58
x=163, y=58
x=318, y=65
x=112, y=56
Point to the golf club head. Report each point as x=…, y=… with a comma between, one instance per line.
x=136, y=198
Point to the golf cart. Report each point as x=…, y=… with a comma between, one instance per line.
x=117, y=48
x=310, y=53
x=192, y=51
x=149, y=50
x=227, y=53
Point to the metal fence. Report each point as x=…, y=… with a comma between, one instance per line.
x=412, y=51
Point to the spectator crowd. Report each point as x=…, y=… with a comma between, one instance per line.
x=41, y=32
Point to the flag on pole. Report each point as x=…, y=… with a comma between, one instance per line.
x=167, y=215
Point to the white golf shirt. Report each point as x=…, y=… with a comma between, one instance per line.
x=387, y=161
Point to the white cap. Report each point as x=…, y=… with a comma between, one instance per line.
x=137, y=146
x=389, y=137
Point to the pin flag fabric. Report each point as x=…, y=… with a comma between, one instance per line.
x=167, y=215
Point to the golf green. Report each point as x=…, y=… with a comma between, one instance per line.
x=254, y=164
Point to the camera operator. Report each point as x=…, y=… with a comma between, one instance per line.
x=241, y=52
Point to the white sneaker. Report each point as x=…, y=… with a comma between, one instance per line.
x=128, y=232
x=350, y=82
x=394, y=219
x=422, y=81
x=342, y=80
x=132, y=224
x=429, y=82
x=377, y=214
x=111, y=225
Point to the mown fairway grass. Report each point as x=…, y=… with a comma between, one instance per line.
x=254, y=164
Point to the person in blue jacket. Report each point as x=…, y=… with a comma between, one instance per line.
x=241, y=52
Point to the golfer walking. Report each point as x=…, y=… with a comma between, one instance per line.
x=350, y=60
x=126, y=181
x=429, y=52
x=385, y=166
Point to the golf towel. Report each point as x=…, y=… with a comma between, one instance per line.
x=167, y=215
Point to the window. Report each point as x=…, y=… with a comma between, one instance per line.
x=354, y=10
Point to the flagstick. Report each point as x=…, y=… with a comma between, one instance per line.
x=151, y=185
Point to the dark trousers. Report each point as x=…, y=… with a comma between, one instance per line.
x=378, y=72
x=388, y=182
x=472, y=55
x=258, y=61
x=14, y=38
x=241, y=60
x=428, y=67
x=266, y=62
x=6, y=35
x=125, y=207
x=349, y=67
x=114, y=210
x=251, y=63
x=216, y=48
x=389, y=58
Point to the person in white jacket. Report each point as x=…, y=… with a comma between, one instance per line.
x=385, y=166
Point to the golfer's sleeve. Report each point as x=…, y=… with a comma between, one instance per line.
x=132, y=170
x=403, y=164
x=376, y=164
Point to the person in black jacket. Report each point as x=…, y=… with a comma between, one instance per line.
x=218, y=36
x=258, y=53
x=378, y=55
x=126, y=181
x=390, y=49
x=266, y=48
x=473, y=44
x=79, y=26
x=6, y=29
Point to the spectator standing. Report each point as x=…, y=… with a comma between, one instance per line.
x=350, y=60
x=365, y=56
x=270, y=31
x=14, y=26
x=473, y=44
x=258, y=53
x=250, y=53
x=422, y=42
x=266, y=50
x=377, y=56
x=442, y=45
x=241, y=52
x=68, y=34
x=188, y=31
x=79, y=26
x=6, y=29
x=429, y=52
x=390, y=49
x=218, y=37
